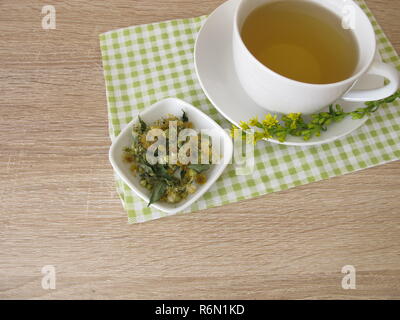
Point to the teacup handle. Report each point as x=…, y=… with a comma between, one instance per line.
x=380, y=69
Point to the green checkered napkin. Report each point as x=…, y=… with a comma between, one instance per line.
x=144, y=64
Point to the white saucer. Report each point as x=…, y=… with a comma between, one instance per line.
x=215, y=70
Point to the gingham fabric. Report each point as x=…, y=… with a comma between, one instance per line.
x=146, y=63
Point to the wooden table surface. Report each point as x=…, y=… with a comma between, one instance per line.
x=59, y=206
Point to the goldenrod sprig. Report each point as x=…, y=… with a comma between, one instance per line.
x=293, y=123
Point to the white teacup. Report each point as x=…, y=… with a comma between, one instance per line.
x=275, y=92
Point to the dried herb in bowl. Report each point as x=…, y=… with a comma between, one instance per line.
x=163, y=160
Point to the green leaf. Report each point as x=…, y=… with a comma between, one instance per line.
x=147, y=169
x=143, y=124
x=339, y=108
x=184, y=117
x=158, y=192
x=374, y=109
x=183, y=172
x=161, y=172
x=199, y=167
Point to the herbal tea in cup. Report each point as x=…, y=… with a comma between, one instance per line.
x=301, y=41
x=297, y=55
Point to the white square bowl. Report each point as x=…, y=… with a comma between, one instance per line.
x=200, y=121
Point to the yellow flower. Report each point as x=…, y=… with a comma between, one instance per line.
x=259, y=136
x=253, y=121
x=270, y=121
x=294, y=116
x=244, y=125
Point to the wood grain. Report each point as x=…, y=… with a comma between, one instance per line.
x=59, y=207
